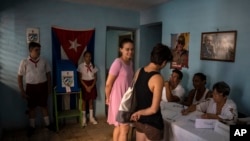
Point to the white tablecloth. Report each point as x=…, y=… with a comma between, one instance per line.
x=181, y=128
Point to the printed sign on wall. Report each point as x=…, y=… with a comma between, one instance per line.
x=32, y=35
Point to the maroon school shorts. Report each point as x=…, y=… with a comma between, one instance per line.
x=37, y=94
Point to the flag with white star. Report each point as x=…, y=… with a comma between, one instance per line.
x=70, y=44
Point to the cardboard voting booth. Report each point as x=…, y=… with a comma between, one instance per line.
x=67, y=94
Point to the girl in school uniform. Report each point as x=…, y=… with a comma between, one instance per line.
x=88, y=79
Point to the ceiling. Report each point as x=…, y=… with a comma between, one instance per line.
x=136, y=5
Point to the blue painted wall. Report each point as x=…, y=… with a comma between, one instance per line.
x=197, y=16
x=16, y=16
x=150, y=35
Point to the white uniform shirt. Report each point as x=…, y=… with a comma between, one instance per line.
x=228, y=111
x=34, y=73
x=179, y=91
x=87, y=73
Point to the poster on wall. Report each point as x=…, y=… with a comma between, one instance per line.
x=32, y=35
x=180, y=50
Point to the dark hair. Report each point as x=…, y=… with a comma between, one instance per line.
x=181, y=40
x=124, y=41
x=87, y=52
x=180, y=74
x=160, y=53
x=201, y=75
x=222, y=87
x=33, y=45
x=92, y=60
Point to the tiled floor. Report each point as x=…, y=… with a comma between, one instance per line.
x=68, y=132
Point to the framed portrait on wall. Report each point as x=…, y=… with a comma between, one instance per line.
x=218, y=46
x=180, y=50
x=32, y=35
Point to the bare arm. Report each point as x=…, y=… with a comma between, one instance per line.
x=189, y=110
x=210, y=116
x=89, y=88
x=20, y=85
x=190, y=98
x=94, y=82
x=80, y=78
x=109, y=83
x=169, y=95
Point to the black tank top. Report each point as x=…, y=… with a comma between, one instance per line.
x=144, y=99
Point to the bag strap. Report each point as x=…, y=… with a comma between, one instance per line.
x=135, y=77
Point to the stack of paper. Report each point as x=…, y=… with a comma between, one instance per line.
x=205, y=123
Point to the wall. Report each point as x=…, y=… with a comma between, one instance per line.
x=150, y=35
x=197, y=16
x=16, y=16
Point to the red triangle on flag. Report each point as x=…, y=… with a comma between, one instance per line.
x=73, y=42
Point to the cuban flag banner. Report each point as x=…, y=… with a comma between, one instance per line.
x=70, y=44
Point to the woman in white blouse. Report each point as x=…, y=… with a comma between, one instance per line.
x=219, y=107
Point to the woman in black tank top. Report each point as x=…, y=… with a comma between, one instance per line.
x=148, y=90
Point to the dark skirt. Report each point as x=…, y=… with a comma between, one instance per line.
x=89, y=95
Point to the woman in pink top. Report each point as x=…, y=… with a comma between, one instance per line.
x=119, y=78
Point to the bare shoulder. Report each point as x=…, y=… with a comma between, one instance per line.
x=157, y=79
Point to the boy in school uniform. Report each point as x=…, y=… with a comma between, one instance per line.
x=37, y=75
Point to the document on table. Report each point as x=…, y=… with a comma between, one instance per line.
x=205, y=123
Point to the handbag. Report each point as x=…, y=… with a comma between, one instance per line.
x=128, y=105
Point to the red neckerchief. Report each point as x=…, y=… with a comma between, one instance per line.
x=34, y=61
x=88, y=67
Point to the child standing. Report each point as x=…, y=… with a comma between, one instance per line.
x=88, y=83
x=36, y=73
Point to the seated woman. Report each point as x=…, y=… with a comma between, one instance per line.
x=219, y=107
x=200, y=92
